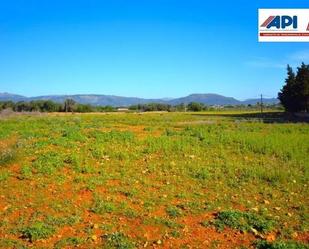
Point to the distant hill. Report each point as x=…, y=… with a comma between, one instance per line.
x=207, y=99
x=265, y=101
x=103, y=100
x=11, y=97
x=96, y=100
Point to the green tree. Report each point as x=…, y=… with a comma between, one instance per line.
x=302, y=86
x=195, y=107
x=294, y=96
x=69, y=105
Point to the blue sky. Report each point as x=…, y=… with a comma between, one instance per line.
x=146, y=48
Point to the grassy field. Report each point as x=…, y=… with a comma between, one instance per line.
x=155, y=180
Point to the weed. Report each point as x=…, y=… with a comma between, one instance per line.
x=10, y=243
x=48, y=163
x=175, y=234
x=7, y=155
x=200, y=174
x=243, y=221
x=26, y=172
x=161, y=221
x=4, y=175
x=101, y=207
x=62, y=221
x=173, y=211
x=38, y=230
x=262, y=244
x=118, y=240
x=69, y=242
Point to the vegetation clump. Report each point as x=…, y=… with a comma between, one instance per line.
x=38, y=230
x=173, y=211
x=294, y=95
x=243, y=221
x=7, y=155
x=101, y=207
x=118, y=240
x=262, y=244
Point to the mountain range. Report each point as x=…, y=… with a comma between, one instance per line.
x=103, y=100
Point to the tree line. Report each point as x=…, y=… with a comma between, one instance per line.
x=69, y=105
x=294, y=95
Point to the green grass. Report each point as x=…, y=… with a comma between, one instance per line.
x=151, y=177
x=280, y=245
x=243, y=221
x=38, y=230
x=69, y=242
x=7, y=155
x=101, y=206
x=173, y=211
x=4, y=175
x=118, y=241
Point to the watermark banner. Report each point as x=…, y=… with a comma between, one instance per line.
x=283, y=25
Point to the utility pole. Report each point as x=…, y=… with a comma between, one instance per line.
x=261, y=103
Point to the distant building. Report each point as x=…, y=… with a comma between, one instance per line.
x=122, y=109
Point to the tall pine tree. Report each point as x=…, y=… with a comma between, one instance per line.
x=294, y=95
x=302, y=79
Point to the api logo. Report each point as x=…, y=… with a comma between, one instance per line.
x=283, y=25
x=280, y=22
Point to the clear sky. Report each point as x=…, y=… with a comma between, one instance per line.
x=145, y=48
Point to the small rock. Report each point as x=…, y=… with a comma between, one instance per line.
x=159, y=242
x=254, y=231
